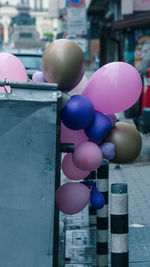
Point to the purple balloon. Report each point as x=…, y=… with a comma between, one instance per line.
x=114, y=87
x=38, y=77
x=72, y=197
x=71, y=171
x=108, y=150
x=78, y=112
x=99, y=128
x=113, y=119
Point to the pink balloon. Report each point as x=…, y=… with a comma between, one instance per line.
x=72, y=197
x=87, y=156
x=72, y=136
x=80, y=87
x=11, y=69
x=114, y=87
x=71, y=171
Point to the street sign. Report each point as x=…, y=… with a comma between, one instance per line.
x=74, y=3
x=76, y=20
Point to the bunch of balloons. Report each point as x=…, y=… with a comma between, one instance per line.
x=89, y=120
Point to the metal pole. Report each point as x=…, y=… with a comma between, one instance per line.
x=92, y=210
x=102, y=216
x=119, y=225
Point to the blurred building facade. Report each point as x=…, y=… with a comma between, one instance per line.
x=38, y=9
x=123, y=29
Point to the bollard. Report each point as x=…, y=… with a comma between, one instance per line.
x=92, y=210
x=119, y=226
x=102, y=216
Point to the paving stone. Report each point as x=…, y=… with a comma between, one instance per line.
x=138, y=179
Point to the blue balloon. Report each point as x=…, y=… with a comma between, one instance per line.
x=78, y=112
x=40, y=68
x=97, y=199
x=99, y=128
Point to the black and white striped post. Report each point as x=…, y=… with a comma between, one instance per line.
x=102, y=184
x=119, y=225
x=92, y=210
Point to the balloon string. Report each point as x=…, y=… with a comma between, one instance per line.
x=6, y=91
x=4, y=86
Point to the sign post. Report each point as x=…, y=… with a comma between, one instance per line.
x=76, y=17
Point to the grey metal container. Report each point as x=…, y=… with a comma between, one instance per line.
x=29, y=174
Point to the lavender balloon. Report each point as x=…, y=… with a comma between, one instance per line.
x=38, y=77
x=113, y=119
x=72, y=197
x=108, y=150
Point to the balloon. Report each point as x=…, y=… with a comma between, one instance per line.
x=63, y=63
x=70, y=170
x=114, y=87
x=87, y=156
x=97, y=199
x=38, y=77
x=113, y=119
x=11, y=69
x=72, y=197
x=108, y=150
x=80, y=87
x=70, y=136
x=127, y=141
x=99, y=128
x=77, y=113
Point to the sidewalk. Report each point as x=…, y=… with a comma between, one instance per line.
x=137, y=176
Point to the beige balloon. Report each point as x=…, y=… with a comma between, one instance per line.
x=63, y=63
x=127, y=141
